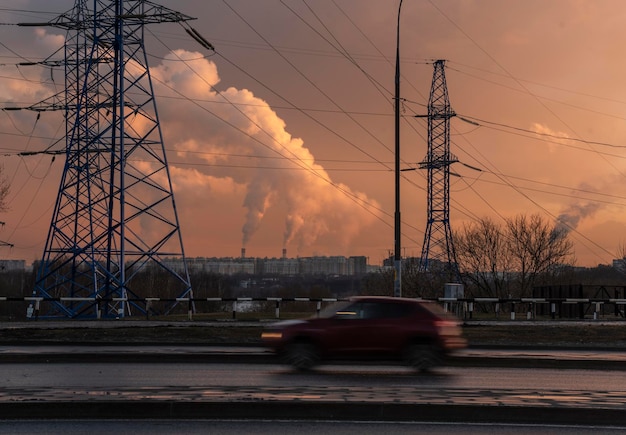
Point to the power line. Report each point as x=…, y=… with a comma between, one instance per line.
x=532, y=82
x=477, y=121
x=316, y=87
x=553, y=100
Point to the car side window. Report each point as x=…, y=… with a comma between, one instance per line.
x=378, y=310
x=394, y=311
x=373, y=310
x=353, y=311
x=359, y=310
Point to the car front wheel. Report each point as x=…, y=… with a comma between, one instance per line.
x=422, y=357
x=301, y=355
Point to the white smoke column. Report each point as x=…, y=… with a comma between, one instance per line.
x=572, y=215
x=221, y=133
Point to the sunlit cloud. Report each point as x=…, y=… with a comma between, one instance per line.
x=238, y=137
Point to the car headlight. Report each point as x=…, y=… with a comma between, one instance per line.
x=272, y=335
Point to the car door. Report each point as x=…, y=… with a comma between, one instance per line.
x=346, y=331
x=384, y=330
x=361, y=329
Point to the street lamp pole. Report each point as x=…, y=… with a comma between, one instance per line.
x=397, y=283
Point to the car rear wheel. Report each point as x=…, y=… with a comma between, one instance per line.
x=301, y=355
x=422, y=357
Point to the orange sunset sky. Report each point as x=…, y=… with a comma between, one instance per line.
x=309, y=167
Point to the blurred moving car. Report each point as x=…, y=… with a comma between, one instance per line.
x=418, y=332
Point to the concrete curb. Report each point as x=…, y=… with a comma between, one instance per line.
x=521, y=360
x=303, y=410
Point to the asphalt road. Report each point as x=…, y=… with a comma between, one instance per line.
x=353, y=378
x=148, y=390
x=222, y=383
x=489, y=357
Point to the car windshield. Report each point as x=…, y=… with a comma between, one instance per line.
x=437, y=310
x=359, y=309
x=332, y=309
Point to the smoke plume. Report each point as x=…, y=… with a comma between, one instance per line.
x=574, y=213
x=235, y=136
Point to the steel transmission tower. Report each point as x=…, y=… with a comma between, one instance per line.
x=438, y=244
x=115, y=217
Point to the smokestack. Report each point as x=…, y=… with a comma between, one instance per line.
x=243, y=252
x=284, y=253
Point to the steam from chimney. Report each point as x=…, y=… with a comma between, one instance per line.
x=571, y=217
x=237, y=140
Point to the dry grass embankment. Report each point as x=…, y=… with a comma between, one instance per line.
x=519, y=333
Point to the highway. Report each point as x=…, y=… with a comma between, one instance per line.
x=375, y=378
x=247, y=388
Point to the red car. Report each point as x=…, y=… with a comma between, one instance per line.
x=416, y=331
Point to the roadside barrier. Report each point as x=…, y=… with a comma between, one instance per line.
x=462, y=307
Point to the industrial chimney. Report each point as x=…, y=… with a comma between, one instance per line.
x=243, y=252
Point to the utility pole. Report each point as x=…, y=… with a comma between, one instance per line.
x=114, y=218
x=397, y=283
x=438, y=244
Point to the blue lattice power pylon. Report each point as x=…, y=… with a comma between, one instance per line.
x=115, y=217
x=438, y=248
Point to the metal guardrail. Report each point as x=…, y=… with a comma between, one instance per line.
x=465, y=305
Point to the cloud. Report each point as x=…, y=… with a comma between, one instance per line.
x=552, y=136
x=233, y=135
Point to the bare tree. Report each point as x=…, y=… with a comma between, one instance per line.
x=378, y=284
x=483, y=257
x=537, y=248
x=504, y=262
x=4, y=190
x=416, y=283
